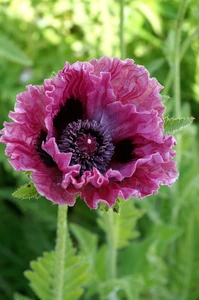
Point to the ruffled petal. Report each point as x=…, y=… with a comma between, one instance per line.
x=78, y=82
x=150, y=173
x=20, y=136
x=124, y=122
x=48, y=185
x=131, y=83
x=106, y=194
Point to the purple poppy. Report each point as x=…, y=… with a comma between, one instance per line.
x=94, y=130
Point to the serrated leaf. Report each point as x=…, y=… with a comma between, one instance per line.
x=173, y=125
x=42, y=275
x=27, y=191
x=11, y=51
x=124, y=223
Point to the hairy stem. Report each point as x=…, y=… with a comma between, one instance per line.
x=111, y=247
x=60, y=251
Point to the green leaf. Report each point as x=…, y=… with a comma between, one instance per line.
x=173, y=125
x=87, y=240
x=27, y=191
x=87, y=244
x=165, y=98
x=18, y=296
x=155, y=65
x=127, y=287
x=42, y=275
x=150, y=13
x=124, y=223
x=9, y=50
x=131, y=286
x=100, y=263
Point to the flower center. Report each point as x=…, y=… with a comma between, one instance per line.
x=90, y=144
x=87, y=143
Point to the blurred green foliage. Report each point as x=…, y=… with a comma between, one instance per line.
x=36, y=38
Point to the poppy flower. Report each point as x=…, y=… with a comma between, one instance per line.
x=96, y=130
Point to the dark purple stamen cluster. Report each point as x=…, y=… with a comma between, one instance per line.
x=90, y=144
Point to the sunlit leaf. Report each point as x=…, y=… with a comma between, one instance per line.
x=10, y=51
x=151, y=15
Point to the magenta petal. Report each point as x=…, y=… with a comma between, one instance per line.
x=124, y=122
x=49, y=186
x=79, y=82
x=106, y=194
x=149, y=175
x=62, y=159
x=101, y=95
x=30, y=108
x=131, y=83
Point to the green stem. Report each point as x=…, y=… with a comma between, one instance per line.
x=178, y=32
x=184, y=47
x=177, y=93
x=121, y=34
x=60, y=251
x=177, y=58
x=111, y=235
x=168, y=82
x=111, y=247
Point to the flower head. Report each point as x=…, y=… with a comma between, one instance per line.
x=94, y=130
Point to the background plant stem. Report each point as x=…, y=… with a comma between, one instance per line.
x=111, y=235
x=177, y=85
x=60, y=251
x=111, y=247
x=177, y=70
x=121, y=34
x=177, y=93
